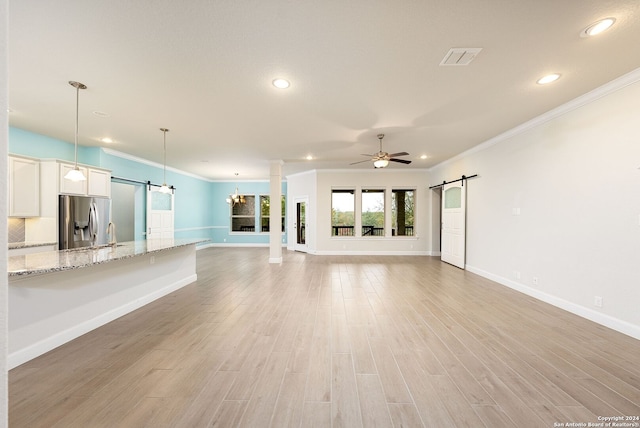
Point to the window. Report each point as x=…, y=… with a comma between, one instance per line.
x=372, y=212
x=402, y=206
x=243, y=216
x=265, y=209
x=343, y=204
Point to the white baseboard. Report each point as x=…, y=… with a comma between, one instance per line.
x=23, y=355
x=584, y=312
x=275, y=260
x=238, y=245
x=371, y=253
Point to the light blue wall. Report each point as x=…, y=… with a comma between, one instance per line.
x=201, y=210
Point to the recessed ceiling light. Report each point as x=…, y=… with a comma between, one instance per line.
x=548, y=79
x=281, y=83
x=598, y=27
x=423, y=157
x=309, y=157
x=100, y=113
x=106, y=140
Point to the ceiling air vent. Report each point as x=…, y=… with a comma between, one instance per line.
x=460, y=56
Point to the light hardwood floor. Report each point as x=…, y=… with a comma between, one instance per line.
x=333, y=342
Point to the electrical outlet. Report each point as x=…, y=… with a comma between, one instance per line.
x=152, y=260
x=535, y=280
x=597, y=301
x=516, y=273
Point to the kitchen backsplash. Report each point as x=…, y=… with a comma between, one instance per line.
x=16, y=230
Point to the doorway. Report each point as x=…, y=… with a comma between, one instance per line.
x=301, y=224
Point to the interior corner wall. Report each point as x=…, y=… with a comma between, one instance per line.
x=555, y=212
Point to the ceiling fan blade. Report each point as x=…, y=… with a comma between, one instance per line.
x=353, y=163
x=406, y=162
x=362, y=154
x=398, y=154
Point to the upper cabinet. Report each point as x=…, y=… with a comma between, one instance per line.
x=98, y=182
x=24, y=187
x=72, y=187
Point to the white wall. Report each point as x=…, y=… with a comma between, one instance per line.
x=4, y=138
x=575, y=181
x=302, y=185
x=318, y=184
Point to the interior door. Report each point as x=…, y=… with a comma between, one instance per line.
x=454, y=223
x=160, y=213
x=301, y=224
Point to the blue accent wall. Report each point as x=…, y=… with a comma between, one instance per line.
x=201, y=210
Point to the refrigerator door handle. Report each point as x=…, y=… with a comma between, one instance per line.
x=94, y=224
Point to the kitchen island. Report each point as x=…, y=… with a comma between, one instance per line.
x=56, y=296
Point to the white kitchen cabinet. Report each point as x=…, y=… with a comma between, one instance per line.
x=24, y=187
x=99, y=183
x=69, y=187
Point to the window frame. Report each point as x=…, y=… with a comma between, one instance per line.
x=393, y=211
x=253, y=216
x=374, y=230
x=353, y=191
x=283, y=201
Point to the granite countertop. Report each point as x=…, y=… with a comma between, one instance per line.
x=56, y=261
x=16, y=245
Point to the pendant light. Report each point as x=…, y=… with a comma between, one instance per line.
x=75, y=174
x=164, y=188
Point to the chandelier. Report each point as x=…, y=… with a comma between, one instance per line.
x=236, y=198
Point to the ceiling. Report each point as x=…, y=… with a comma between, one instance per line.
x=204, y=69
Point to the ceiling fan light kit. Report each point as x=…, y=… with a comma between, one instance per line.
x=382, y=159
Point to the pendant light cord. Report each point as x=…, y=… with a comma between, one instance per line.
x=164, y=158
x=77, y=118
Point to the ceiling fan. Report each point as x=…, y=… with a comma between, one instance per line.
x=381, y=159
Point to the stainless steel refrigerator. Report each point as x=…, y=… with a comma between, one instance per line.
x=83, y=221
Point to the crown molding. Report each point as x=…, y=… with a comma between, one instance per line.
x=591, y=96
x=151, y=163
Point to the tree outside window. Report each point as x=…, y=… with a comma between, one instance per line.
x=372, y=212
x=265, y=210
x=402, y=212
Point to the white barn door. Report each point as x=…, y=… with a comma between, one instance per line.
x=159, y=213
x=453, y=223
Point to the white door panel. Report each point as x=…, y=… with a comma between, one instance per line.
x=160, y=214
x=454, y=224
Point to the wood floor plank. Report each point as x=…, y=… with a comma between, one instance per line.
x=404, y=415
x=201, y=410
x=316, y=414
x=373, y=405
x=260, y=407
x=290, y=405
x=229, y=414
x=342, y=340
x=345, y=406
x=393, y=383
